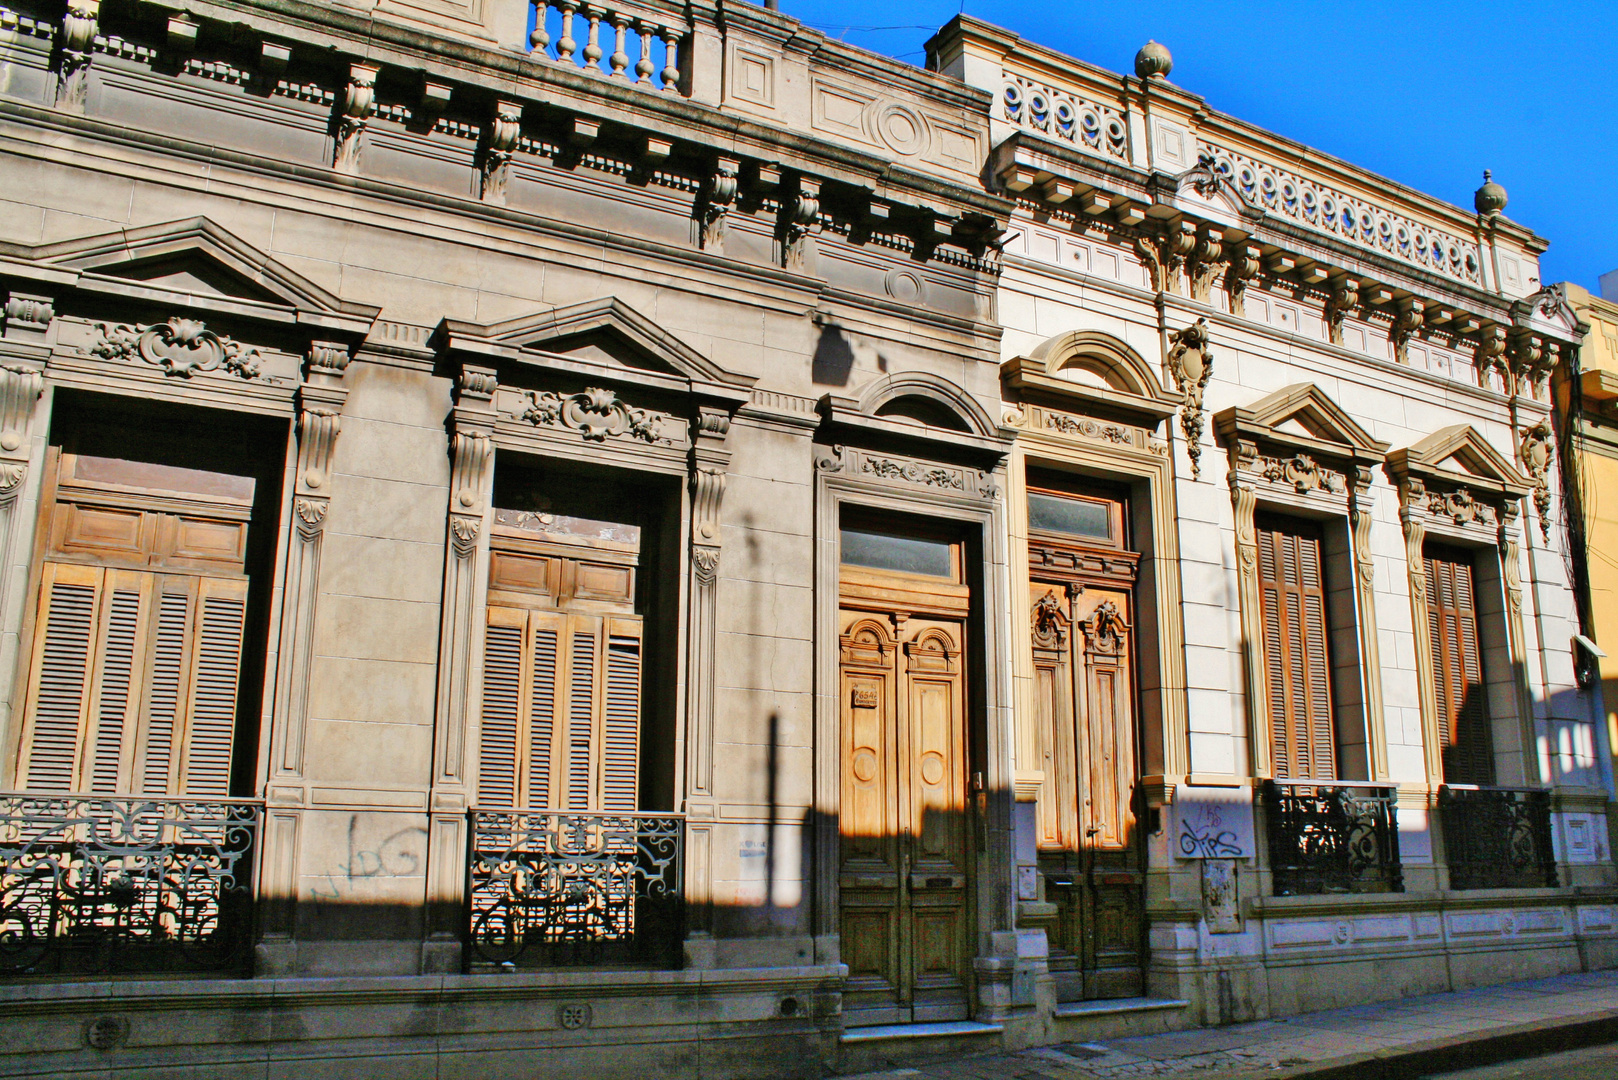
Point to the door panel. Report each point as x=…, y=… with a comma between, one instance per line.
x=1091, y=850
x=904, y=862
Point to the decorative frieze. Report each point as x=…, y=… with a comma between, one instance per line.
x=594, y=413
x=1190, y=362
x=181, y=347
x=948, y=479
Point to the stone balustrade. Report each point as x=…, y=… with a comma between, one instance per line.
x=637, y=43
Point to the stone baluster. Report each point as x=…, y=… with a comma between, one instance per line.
x=671, y=58
x=540, y=40
x=644, y=66
x=566, y=46
x=592, y=48
x=619, y=59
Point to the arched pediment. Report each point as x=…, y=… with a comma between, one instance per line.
x=1461, y=456
x=1090, y=369
x=1300, y=417
x=922, y=393
x=921, y=407
x=604, y=338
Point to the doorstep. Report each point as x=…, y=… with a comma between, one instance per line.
x=945, y=1029
x=1116, y=1007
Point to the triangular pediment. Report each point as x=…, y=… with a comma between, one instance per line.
x=1461, y=454
x=192, y=258
x=605, y=336
x=1303, y=415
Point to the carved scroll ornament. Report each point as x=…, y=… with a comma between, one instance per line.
x=719, y=195
x=594, y=413
x=1301, y=473
x=1534, y=451
x=181, y=347
x=1191, y=364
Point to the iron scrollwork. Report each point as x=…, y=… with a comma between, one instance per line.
x=125, y=884
x=1498, y=838
x=559, y=888
x=1332, y=838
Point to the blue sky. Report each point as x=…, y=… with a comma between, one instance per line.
x=1427, y=93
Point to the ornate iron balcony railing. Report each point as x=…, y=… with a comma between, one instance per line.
x=125, y=884
x=1332, y=837
x=1497, y=838
x=553, y=888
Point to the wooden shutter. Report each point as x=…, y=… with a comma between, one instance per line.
x=1465, y=730
x=561, y=711
x=134, y=682
x=1297, y=653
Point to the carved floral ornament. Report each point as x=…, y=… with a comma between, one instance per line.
x=1300, y=472
x=1190, y=362
x=594, y=413
x=840, y=459
x=181, y=347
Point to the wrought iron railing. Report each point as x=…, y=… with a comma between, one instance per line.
x=554, y=888
x=125, y=884
x=1497, y=838
x=1332, y=837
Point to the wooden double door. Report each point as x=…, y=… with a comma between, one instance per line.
x=1091, y=852
x=905, y=866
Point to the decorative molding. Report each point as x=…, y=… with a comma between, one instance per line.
x=1190, y=362
x=718, y=197
x=28, y=313
x=503, y=132
x=353, y=114
x=181, y=347
x=1535, y=451
x=328, y=358
x=594, y=413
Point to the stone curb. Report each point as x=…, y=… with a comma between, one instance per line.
x=1456, y=1052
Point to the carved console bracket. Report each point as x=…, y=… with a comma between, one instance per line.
x=1205, y=261
x=504, y=130
x=800, y=224
x=1243, y=267
x=76, y=40
x=710, y=462
x=718, y=197
x=354, y=111
x=320, y=406
x=1342, y=297
x=1190, y=363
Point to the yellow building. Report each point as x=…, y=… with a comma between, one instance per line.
x=1587, y=407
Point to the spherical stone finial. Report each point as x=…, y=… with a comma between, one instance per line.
x=1491, y=197
x=1153, y=59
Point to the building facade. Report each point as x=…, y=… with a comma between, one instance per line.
x=1584, y=387
x=593, y=539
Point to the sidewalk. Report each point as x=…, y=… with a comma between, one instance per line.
x=1405, y=1038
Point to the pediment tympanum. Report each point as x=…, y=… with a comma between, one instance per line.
x=603, y=339
x=1458, y=478
x=1090, y=372
x=918, y=407
x=192, y=263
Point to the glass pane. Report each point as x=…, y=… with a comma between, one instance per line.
x=1077, y=517
x=906, y=554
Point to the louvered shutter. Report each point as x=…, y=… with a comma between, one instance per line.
x=1297, y=654
x=119, y=683
x=165, y=707
x=620, y=755
x=1465, y=730
x=502, y=690
x=215, y=671
x=54, y=726
x=582, y=719
x=544, y=639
